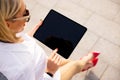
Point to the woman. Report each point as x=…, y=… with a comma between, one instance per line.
x=20, y=56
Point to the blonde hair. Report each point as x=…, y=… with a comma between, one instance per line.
x=8, y=9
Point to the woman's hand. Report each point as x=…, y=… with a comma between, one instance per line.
x=54, y=62
x=31, y=32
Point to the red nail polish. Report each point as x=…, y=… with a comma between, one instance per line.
x=95, y=54
x=94, y=61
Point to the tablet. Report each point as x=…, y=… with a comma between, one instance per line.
x=59, y=31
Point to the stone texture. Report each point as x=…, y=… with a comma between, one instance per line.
x=102, y=18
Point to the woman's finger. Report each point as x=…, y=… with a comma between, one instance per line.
x=56, y=58
x=53, y=53
x=31, y=32
x=59, y=60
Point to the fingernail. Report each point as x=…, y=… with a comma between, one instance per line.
x=55, y=50
x=95, y=54
x=94, y=61
x=41, y=20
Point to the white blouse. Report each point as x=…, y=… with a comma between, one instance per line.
x=24, y=61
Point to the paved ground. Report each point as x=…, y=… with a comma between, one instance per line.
x=102, y=18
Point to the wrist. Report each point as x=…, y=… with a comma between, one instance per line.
x=50, y=71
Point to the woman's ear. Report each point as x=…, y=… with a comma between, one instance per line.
x=8, y=23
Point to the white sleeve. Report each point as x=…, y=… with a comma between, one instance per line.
x=47, y=77
x=55, y=77
x=27, y=77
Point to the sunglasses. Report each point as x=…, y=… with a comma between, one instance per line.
x=25, y=17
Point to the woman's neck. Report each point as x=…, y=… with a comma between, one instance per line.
x=19, y=41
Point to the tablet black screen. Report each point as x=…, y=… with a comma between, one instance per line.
x=58, y=31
